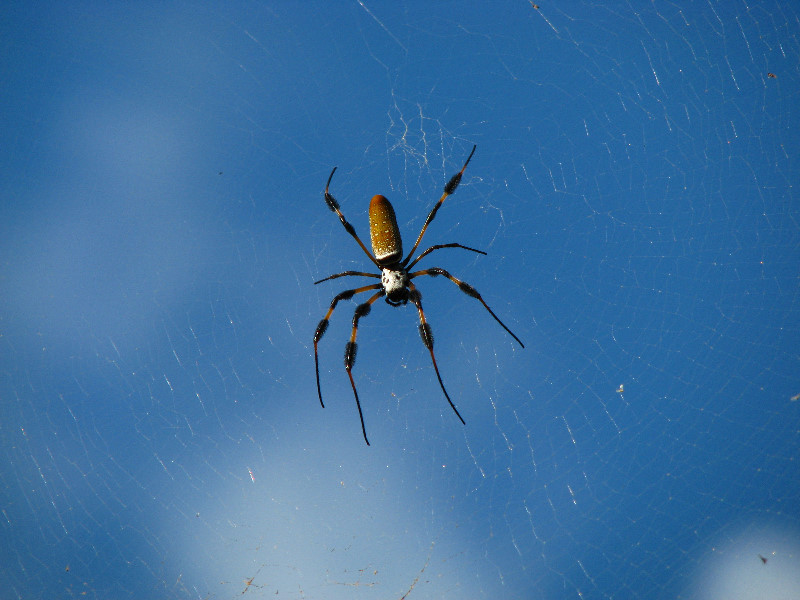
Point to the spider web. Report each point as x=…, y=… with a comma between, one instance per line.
x=163, y=224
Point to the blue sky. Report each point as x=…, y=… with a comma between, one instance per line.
x=634, y=187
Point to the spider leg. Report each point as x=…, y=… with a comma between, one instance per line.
x=362, y=310
x=323, y=325
x=438, y=247
x=334, y=206
x=427, y=339
x=449, y=188
x=348, y=273
x=468, y=290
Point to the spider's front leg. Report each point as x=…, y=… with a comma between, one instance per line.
x=427, y=338
x=322, y=327
x=362, y=310
x=468, y=290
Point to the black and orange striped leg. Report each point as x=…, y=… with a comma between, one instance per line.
x=348, y=274
x=427, y=338
x=449, y=188
x=323, y=325
x=362, y=310
x=468, y=290
x=439, y=247
x=334, y=206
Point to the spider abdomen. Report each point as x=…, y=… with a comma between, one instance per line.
x=383, y=231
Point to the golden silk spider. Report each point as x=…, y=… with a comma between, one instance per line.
x=396, y=285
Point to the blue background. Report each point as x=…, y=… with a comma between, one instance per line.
x=162, y=224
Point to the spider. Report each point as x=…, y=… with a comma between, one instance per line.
x=396, y=285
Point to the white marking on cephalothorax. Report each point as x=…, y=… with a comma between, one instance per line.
x=393, y=281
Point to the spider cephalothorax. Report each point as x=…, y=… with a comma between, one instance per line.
x=396, y=285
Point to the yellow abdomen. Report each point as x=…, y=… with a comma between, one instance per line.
x=386, y=243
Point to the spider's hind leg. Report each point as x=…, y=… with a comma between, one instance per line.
x=333, y=204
